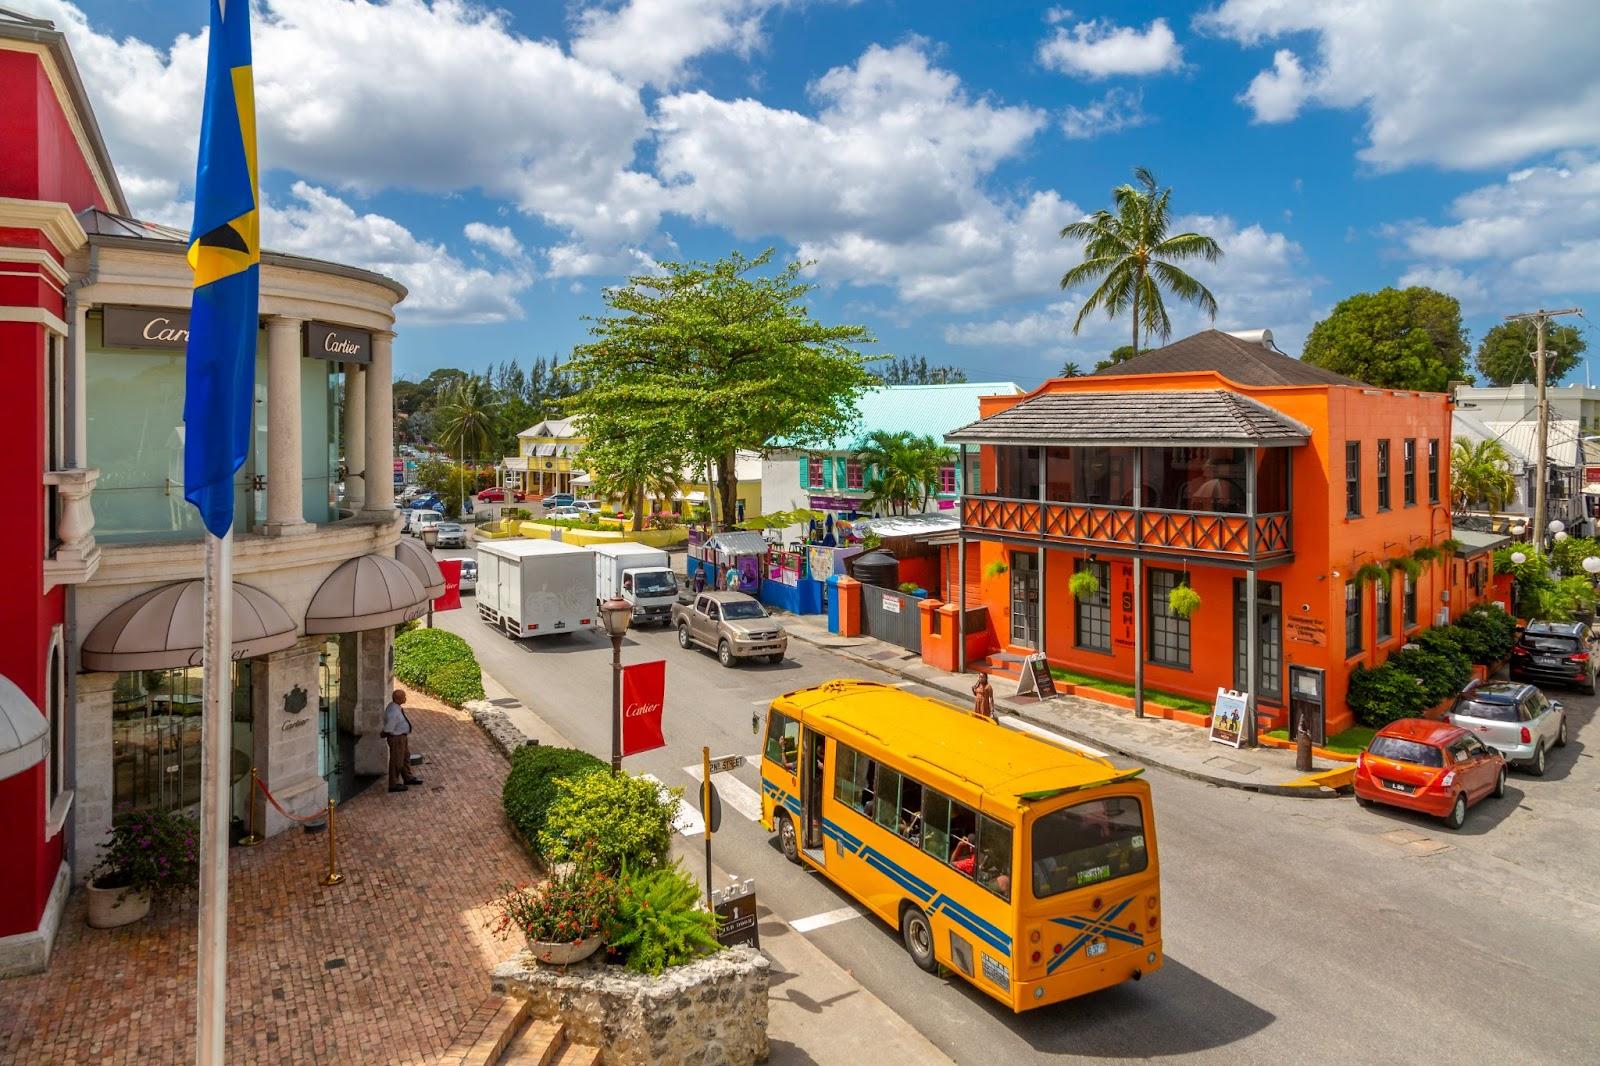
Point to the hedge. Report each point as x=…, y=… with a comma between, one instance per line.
x=530, y=787
x=456, y=682
x=1414, y=679
x=439, y=663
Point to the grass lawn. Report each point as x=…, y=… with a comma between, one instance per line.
x=1352, y=741
x=1182, y=703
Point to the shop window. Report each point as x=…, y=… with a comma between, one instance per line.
x=1195, y=479
x=947, y=480
x=1352, y=479
x=1353, y=639
x=814, y=472
x=853, y=475
x=1272, y=480
x=1093, y=613
x=1383, y=475
x=1169, y=634
x=1018, y=470
x=155, y=738
x=1409, y=471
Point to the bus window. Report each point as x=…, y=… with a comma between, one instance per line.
x=1088, y=843
x=783, y=740
x=936, y=825
x=994, y=856
x=911, y=810
x=846, y=789
x=963, y=843
x=887, y=811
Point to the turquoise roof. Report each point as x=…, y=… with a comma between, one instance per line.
x=928, y=410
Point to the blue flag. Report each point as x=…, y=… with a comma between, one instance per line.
x=225, y=254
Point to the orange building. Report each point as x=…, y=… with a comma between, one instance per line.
x=1220, y=463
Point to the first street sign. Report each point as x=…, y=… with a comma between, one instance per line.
x=723, y=763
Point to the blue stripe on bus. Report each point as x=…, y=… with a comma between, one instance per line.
x=987, y=932
x=1100, y=925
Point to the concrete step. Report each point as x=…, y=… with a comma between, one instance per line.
x=1000, y=664
x=578, y=1055
x=539, y=1044
x=493, y=1026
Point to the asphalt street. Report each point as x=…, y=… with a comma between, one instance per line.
x=1296, y=930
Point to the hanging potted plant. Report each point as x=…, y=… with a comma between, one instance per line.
x=1368, y=573
x=562, y=919
x=995, y=569
x=151, y=855
x=1084, y=585
x=1183, y=601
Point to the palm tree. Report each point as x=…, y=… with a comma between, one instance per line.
x=467, y=419
x=1071, y=370
x=1481, y=471
x=905, y=469
x=1132, y=256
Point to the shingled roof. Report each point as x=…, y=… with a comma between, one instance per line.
x=1155, y=419
x=1245, y=362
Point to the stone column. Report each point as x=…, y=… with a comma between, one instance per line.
x=285, y=488
x=379, y=486
x=286, y=734
x=92, y=800
x=374, y=681
x=355, y=435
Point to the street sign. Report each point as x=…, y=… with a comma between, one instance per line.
x=736, y=916
x=711, y=806
x=723, y=763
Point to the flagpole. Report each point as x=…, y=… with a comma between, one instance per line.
x=216, y=764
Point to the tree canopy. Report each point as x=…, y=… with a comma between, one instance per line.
x=704, y=360
x=914, y=370
x=1394, y=338
x=1505, y=355
x=1118, y=355
x=1480, y=473
x=903, y=469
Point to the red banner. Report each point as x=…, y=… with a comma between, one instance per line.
x=450, y=599
x=644, y=687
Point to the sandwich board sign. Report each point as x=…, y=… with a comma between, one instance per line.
x=1037, y=679
x=1228, y=717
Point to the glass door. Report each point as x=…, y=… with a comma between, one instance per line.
x=1025, y=599
x=1269, y=634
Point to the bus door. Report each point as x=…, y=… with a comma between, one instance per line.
x=813, y=753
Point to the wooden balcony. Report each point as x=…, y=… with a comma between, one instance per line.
x=1206, y=533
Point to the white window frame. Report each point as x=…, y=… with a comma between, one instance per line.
x=56, y=710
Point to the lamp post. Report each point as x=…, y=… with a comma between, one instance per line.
x=615, y=614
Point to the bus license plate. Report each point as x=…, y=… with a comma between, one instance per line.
x=1097, y=948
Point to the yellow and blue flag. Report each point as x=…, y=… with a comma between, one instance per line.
x=225, y=254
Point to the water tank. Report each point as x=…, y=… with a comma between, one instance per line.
x=878, y=567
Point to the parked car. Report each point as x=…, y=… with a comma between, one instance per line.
x=568, y=512
x=421, y=520
x=589, y=506
x=495, y=494
x=1555, y=651
x=732, y=624
x=452, y=535
x=560, y=499
x=1436, y=768
x=1513, y=718
x=469, y=576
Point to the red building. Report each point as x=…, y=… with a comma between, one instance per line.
x=53, y=164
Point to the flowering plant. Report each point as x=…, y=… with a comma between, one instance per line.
x=565, y=909
x=151, y=851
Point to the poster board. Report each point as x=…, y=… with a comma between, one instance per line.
x=1037, y=679
x=1228, y=717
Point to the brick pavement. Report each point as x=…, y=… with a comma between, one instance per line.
x=388, y=967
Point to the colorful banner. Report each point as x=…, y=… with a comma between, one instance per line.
x=450, y=599
x=644, y=687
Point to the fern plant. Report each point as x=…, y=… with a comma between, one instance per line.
x=1084, y=585
x=1407, y=564
x=658, y=921
x=995, y=569
x=1183, y=601
x=1427, y=554
x=1369, y=573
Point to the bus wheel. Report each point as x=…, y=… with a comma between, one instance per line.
x=786, y=838
x=918, y=935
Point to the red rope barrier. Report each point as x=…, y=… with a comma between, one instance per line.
x=267, y=792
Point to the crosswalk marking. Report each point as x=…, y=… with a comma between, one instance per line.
x=1045, y=734
x=823, y=920
x=735, y=793
x=687, y=821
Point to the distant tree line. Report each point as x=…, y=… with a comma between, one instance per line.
x=914, y=370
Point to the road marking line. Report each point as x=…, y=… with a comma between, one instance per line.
x=687, y=821
x=823, y=920
x=735, y=793
x=1045, y=734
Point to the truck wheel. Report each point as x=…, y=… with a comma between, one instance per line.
x=917, y=933
x=683, y=636
x=787, y=839
x=725, y=653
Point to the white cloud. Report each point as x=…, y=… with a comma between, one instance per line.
x=1461, y=83
x=1100, y=49
x=649, y=42
x=1118, y=109
x=498, y=239
x=442, y=288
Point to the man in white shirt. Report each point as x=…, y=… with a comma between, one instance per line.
x=397, y=731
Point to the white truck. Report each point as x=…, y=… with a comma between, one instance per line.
x=535, y=588
x=640, y=574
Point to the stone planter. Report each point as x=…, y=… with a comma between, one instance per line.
x=113, y=907
x=560, y=953
x=712, y=1012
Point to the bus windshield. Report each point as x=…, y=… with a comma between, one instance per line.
x=1087, y=843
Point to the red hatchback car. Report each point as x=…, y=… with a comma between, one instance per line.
x=1433, y=767
x=498, y=495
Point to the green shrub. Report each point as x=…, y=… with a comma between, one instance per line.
x=1083, y=584
x=1438, y=665
x=406, y=627
x=658, y=921
x=456, y=682
x=606, y=820
x=530, y=787
x=420, y=652
x=1496, y=629
x=1384, y=694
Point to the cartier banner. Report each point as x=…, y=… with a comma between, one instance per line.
x=450, y=599
x=339, y=343
x=644, y=687
x=144, y=327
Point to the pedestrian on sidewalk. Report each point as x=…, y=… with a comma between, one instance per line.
x=983, y=697
x=699, y=579
x=397, y=731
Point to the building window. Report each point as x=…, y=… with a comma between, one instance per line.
x=1433, y=470
x=1383, y=475
x=1093, y=613
x=1169, y=634
x=155, y=738
x=1352, y=479
x=55, y=425
x=1353, y=637
x=1408, y=602
x=1409, y=472
x=947, y=480
x=852, y=474
x=1384, y=606
x=973, y=474
x=814, y=472
x=55, y=710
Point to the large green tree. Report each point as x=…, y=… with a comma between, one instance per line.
x=904, y=469
x=632, y=466
x=1505, y=355
x=1135, y=259
x=1394, y=339
x=708, y=359
x=467, y=420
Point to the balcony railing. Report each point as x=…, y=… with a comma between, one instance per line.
x=1205, y=532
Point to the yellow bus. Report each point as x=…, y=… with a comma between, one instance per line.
x=1028, y=869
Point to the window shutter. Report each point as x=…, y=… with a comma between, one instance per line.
x=840, y=464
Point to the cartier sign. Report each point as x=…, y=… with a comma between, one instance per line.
x=339, y=343
x=145, y=327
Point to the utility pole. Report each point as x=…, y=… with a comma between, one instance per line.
x=1541, y=320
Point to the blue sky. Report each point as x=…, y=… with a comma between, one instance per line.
x=508, y=163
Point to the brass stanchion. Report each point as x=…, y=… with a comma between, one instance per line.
x=334, y=876
x=251, y=838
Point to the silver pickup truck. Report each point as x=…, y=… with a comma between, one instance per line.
x=733, y=625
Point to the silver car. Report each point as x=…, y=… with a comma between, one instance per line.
x=452, y=535
x=1515, y=719
x=469, y=575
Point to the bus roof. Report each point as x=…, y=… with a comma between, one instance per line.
x=1004, y=766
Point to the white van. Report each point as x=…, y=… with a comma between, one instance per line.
x=421, y=520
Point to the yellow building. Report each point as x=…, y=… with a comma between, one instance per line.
x=692, y=489
x=545, y=453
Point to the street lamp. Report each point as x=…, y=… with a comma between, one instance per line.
x=1517, y=558
x=1561, y=536
x=615, y=614
x=1556, y=525
x=1592, y=564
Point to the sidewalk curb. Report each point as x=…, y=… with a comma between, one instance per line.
x=1295, y=791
